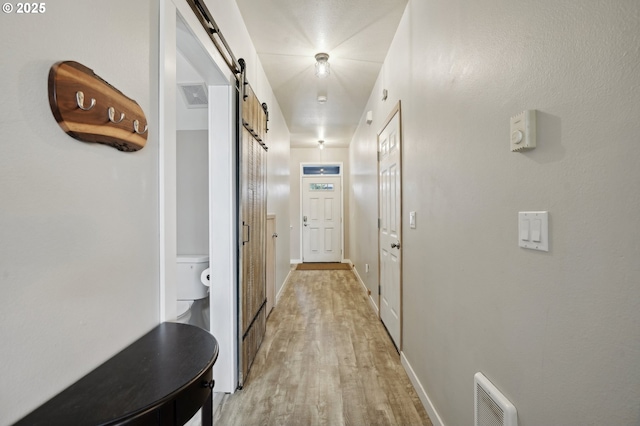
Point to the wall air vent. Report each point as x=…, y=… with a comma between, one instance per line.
x=194, y=94
x=491, y=406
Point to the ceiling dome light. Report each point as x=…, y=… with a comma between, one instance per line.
x=322, y=65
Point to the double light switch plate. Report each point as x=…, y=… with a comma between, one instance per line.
x=533, y=230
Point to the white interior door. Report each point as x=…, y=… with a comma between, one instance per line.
x=390, y=195
x=321, y=219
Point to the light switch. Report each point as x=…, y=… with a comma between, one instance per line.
x=533, y=230
x=524, y=229
x=536, y=230
x=412, y=220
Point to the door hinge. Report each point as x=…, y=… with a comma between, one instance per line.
x=378, y=223
x=379, y=292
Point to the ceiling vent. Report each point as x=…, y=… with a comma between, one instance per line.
x=491, y=406
x=194, y=94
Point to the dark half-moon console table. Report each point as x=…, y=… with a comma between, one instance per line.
x=163, y=378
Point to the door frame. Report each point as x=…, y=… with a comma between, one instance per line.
x=396, y=110
x=341, y=176
x=271, y=229
x=222, y=169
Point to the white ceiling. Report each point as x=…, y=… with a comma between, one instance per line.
x=355, y=33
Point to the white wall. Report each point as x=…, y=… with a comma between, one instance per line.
x=192, y=184
x=557, y=332
x=79, y=259
x=78, y=221
x=278, y=190
x=315, y=155
x=188, y=118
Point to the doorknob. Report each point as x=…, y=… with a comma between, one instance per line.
x=395, y=245
x=275, y=235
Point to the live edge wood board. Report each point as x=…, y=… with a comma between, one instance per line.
x=89, y=109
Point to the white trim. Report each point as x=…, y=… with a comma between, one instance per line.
x=222, y=238
x=284, y=284
x=295, y=261
x=166, y=159
x=364, y=287
x=366, y=290
x=422, y=394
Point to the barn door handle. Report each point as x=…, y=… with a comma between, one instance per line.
x=248, y=234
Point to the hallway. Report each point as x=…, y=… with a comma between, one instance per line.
x=326, y=360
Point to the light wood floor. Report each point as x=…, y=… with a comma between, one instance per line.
x=326, y=360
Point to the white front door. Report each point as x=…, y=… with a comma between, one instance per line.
x=390, y=195
x=321, y=219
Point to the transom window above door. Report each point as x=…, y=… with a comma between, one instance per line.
x=321, y=170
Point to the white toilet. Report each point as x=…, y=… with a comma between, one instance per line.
x=190, y=288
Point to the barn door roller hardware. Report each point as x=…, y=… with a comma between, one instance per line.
x=209, y=24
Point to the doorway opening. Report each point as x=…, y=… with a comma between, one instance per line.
x=197, y=164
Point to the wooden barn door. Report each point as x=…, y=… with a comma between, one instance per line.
x=253, y=219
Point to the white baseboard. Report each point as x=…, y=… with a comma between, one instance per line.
x=348, y=261
x=295, y=261
x=422, y=394
x=373, y=304
x=284, y=284
x=366, y=290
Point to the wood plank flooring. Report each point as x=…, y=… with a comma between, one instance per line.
x=326, y=360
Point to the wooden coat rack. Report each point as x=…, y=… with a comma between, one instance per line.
x=91, y=110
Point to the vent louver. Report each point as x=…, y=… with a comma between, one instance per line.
x=195, y=95
x=491, y=406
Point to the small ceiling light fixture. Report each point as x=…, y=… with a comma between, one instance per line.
x=321, y=144
x=322, y=65
x=322, y=99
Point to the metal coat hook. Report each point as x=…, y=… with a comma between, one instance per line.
x=80, y=101
x=136, y=127
x=112, y=115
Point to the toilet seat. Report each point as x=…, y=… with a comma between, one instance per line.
x=183, y=307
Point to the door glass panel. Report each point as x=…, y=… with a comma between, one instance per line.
x=321, y=186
